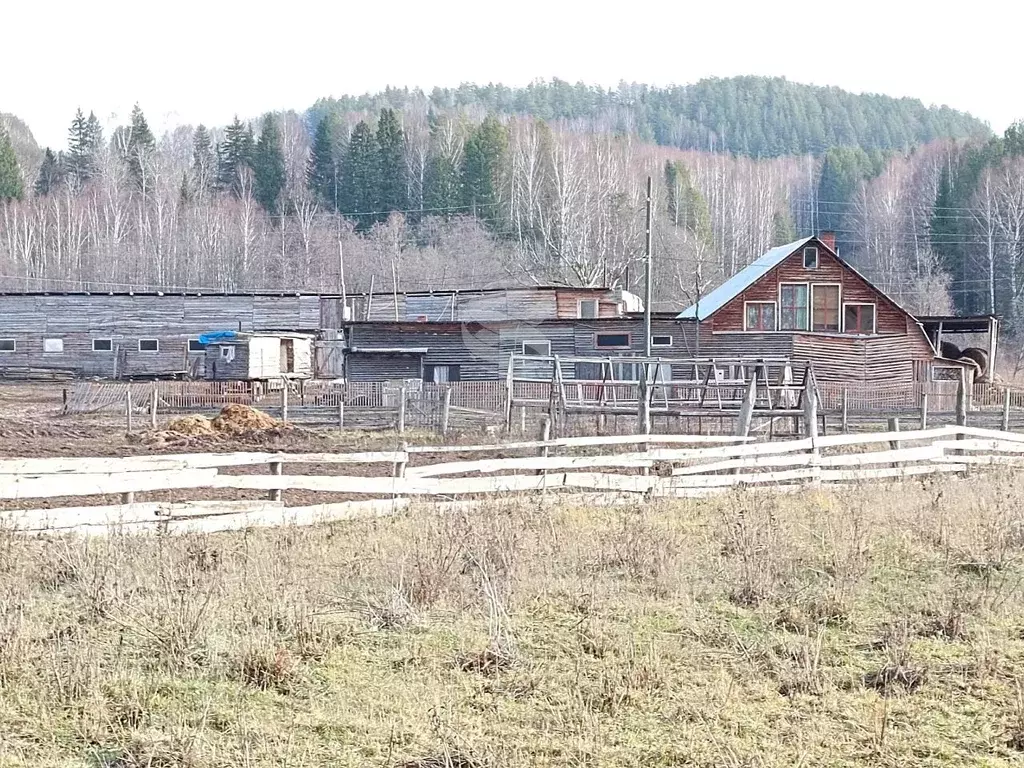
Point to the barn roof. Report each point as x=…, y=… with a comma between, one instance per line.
x=739, y=282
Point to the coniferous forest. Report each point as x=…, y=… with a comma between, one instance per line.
x=486, y=186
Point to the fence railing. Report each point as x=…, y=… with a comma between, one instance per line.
x=665, y=465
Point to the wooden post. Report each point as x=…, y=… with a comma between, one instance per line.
x=508, y=394
x=846, y=411
x=545, y=435
x=341, y=411
x=401, y=410
x=128, y=408
x=128, y=498
x=284, y=400
x=924, y=410
x=446, y=410
x=153, y=399
x=894, y=426
x=1006, y=410
x=64, y=400
x=401, y=466
x=522, y=419
x=747, y=409
x=811, y=411
x=276, y=468
x=961, y=400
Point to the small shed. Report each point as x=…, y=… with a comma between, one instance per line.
x=257, y=356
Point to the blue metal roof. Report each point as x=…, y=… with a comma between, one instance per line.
x=739, y=282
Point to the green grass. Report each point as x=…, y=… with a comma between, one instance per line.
x=878, y=625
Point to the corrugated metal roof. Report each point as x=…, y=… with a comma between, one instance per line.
x=739, y=282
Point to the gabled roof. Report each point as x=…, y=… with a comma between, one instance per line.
x=739, y=282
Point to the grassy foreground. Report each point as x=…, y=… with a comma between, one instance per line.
x=879, y=625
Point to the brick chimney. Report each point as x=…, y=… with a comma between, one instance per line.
x=828, y=239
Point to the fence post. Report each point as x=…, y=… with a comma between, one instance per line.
x=747, y=408
x=401, y=410
x=284, y=400
x=446, y=410
x=811, y=412
x=545, y=435
x=522, y=419
x=1006, y=410
x=276, y=468
x=961, y=402
x=400, y=466
x=64, y=399
x=894, y=426
x=153, y=398
x=924, y=410
x=846, y=410
x=341, y=411
x=128, y=408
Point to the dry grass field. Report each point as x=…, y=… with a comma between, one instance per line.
x=875, y=625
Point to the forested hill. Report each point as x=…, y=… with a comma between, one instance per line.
x=756, y=116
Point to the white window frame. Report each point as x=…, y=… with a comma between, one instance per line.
x=150, y=351
x=810, y=306
x=48, y=339
x=107, y=351
x=579, y=309
x=874, y=316
x=188, y=347
x=14, y=346
x=535, y=343
x=627, y=334
x=660, y=336
x=778, y=320
x=817, y=256
x=758, y=330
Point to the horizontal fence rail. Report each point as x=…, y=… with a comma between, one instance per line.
x=645, y=466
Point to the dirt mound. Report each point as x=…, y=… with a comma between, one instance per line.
x=193, y=425
x=235, y=419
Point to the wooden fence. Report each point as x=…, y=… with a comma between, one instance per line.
x=652, y=466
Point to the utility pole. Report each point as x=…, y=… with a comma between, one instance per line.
x=645, y=389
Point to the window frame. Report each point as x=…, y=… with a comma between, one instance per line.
x=53, y=351
x=534, y=343
x=627, y=345
x=579, y=309
x=150, y=351
x=188, y=347
x=110, y=342
x=817, y=256
x=775, y=327
x=839, y=306
x=14, y=345
x=661, y=345
x=874, y=317
x=807, y=306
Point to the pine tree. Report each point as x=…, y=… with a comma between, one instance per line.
x=483, y=159
x=204, y=162
x=51, y=173
x=268, y=166
x=360, y=176
x=80, y=150
x=443, y=186
x=783, y=228
x=11, y=185
x=235, y=156
x=322, y=174
x=687, y=207
x=137, y=145
x=393, y=190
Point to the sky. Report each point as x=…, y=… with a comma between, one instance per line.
x=187, y=62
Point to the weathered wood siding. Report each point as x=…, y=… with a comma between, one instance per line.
x=382, y=367
x=861, y=359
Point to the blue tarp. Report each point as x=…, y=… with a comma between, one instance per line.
x=214, y=336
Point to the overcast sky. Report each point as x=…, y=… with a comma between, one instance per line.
x=191, y=61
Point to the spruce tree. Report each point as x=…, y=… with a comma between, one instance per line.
x=11, y=185
x=483, y=158
x=360, y=176
x=394, y=191
x=137, y=147
x=268, y=166
x=80, y=150
x=322, y=173
x=204, y=162
x=51, y=173
x=234, y=156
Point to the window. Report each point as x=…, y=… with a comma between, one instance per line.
x=611, y=341
x=195, y=345
x=810, y=257
x=661, y=341
x=537, y=348
x=825, y=299
x=588, y=309
x=227, y=352
x=149, y=345
x=441, y=374
x=793, y=298
x=589, y=371
x=53, y=345
x=859, y=318
x=8, y=345
x=102, y=345
x=760, y=316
